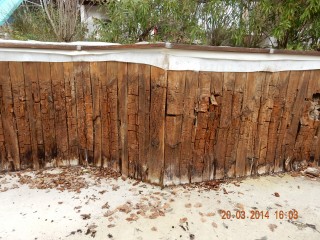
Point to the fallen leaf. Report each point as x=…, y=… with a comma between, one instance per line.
x=214, y=225
x=183, y=220
x=188, y=205
x=197, y=205
x=272, y=227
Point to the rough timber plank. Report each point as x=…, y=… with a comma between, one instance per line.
x=201, y=126
x=188, y=126
x=175, y=95
x=214, y=121
x=286, y=99
x=144, y=119
x=275, y=96
x=97, y=71
x=82, y=140
x=239, y=89
x=20, y=110
x=157, y=125
x=261, y=142
x=33, y=109
x=133, y=109
x=12, y=161
x=57, y=78
x=87, y=94
x=227, y=112
x=47, y=113
x=112, y=88
x=71, y=108
x=172, y=150
x=123, y=117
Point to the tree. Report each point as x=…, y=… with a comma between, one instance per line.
x=63, y=16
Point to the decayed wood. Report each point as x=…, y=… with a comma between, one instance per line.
x=47, y=113
x=144, y=120
x=123, y=117
x=88, y=106
x=33, y=109
x=157, y=125
x=175, y=102
x=229, y=123
x=133, y=128
x=71, y=109
x=21, y=114
x=58, y=91
x=188, y=126
x=202, y=117
x=286, y=105
x=12, y=160
x=112, y=88
x=97, y=71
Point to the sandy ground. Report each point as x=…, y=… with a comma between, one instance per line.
x=76, y=203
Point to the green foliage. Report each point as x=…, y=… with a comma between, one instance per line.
x=295, y=24
x=133, y=20
x=31, y=24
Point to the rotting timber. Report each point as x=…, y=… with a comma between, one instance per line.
x=157, y=125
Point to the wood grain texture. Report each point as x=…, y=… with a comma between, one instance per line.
x=157, y=125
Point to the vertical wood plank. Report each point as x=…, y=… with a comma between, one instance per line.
x=188, y=125
x=123, y=116
x=57, y=78
x=47, y=114
x=12, y=161
x=97, y=71
x=112, y=88
x=32, y=98
x=144, y=119
x=105, y=121
x=175, y=95
x=157, y=125
x=201, y=126
x=20, y=111
x=88, y=106
x=71, y=109
x=133, y=109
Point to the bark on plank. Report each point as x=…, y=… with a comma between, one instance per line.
x=71, y=109
x=47, y=113
x=144, y=119
x=12, y=161
x=20, y=110
x=97, y=70
x=133, y=109
x=123, y=117
x=112, y=88
x=157, y=125
x=201, y=126
x=57, y=78
x=188, y=125
x=87, y=91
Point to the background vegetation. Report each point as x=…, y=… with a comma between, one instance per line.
x=289, y=24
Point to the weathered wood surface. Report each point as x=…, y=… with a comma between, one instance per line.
x=164, y=127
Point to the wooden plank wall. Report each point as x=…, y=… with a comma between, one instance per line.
x=164, y=127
